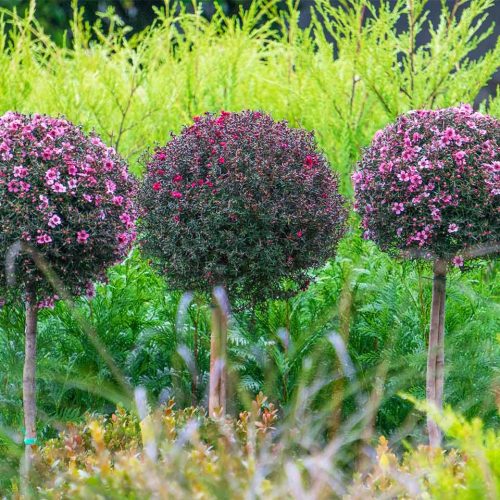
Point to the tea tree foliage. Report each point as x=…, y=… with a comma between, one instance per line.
x=430, y=183
x=67, y=196
x=240, y=200
x=135, y=91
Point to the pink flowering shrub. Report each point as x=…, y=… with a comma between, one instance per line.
x=243, y=201
x=431, y=182
x=67, y=195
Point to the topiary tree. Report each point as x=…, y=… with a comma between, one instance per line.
x=242, y=201
x=428, y=187
x=65, y=208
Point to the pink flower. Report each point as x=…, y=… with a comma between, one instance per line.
x=459, y=157
x=357, y=177
x=221, y=160
x=43, y=239
x=82, y=236
x=110, y=186
x=177, y=178
x=299, y=234
x=425, y=164
x=44, y=201
x=452, y=228
x=398, y=208
x=404, y=176
x=436, y=215
x=176, y=194
x=126, y=219
x=13, y=187
x=72, y=170
x=458, y=261
x=108, y=165
x=117, y=200
x=58, y=188
x=408, y=154
x=447, y=136
x=54, y=221
x=122, y=239
x=156, y=186
x=47, y=153
x=20, y=172
x=385, y=167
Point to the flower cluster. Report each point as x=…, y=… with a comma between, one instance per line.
x=66, y=195
x=240, y=200
x=430, y=183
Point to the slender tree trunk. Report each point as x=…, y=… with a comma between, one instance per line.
x=29, y=387
x=435, y=358
x=218, y=368
x=194, y=381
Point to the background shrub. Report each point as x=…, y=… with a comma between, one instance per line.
x=240, y=200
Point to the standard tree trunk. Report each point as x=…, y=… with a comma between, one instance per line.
x=435, y=359
x=218, y=368
x=29, y=387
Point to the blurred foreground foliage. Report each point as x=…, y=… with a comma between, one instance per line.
x=184, y=454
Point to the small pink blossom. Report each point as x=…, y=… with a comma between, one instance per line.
x=122, y=239
x=110, y=186
x=398, y=208
x=43, y=239
x=404, y=176
x=452, y=228
x=458, y=261
x=20, y=172
x=59, y=188
x=82, y=236
x=108, y=165
x=357, y=177
x=176, y=194
x=54, y=221
x=126, y=219
x=13, y=187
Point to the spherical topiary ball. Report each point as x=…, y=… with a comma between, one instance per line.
x=430, y=184
x=242, y=201
x=65, y=194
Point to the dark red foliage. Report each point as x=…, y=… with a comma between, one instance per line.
x=242, y=201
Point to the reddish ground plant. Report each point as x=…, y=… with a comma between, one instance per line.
x=429, y=187
x=242, y=201
x=66, y=214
